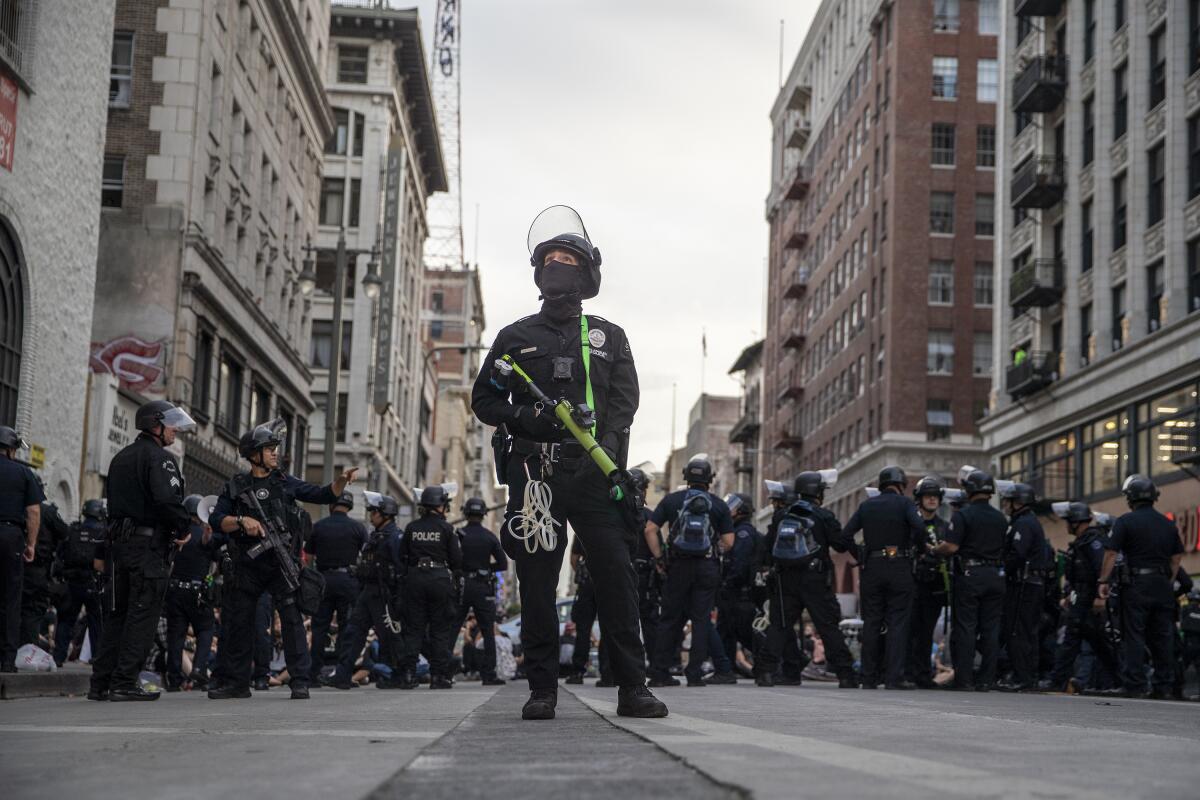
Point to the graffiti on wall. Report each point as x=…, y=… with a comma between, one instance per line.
x=137, y=364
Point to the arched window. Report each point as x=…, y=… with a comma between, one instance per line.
x=12, y=321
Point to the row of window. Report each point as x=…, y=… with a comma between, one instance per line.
x=943, y=145
x=945, y=79
x=940, y=353
x=941, y=214
x=946, y=16
x=941, y=284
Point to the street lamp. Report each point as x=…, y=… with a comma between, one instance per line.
x=371, y=282
x=308, y=275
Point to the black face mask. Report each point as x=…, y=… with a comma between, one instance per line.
x=561, y=286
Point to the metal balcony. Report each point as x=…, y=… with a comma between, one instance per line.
x=1041, y=86
x=793, y=391
x=796, y=283
x=796, y=238
x=745, y=430
x=1038, y=8
x=789, y=441
x=798, y=137
x=1040, y=182
x=794, y=341
x=1037, y=284
x=1036, y=372
x=798, y=187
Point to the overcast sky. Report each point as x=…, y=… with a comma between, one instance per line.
x=651, y=119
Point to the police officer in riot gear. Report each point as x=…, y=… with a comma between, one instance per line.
x=245, y=499
x=736, y=608
x=649, y=580
x=893, y=535
x=76, y=560
x=41, y=583
x=146, y=519
x=803, y=575
x=1025, y=570
x=188, y=601
x=378, y=573
x=335, y=544
x=1153, y=552
x=699, y=526
x=431, y=553
x=482, y=558
x=21, y=499
x=976, y=536
x=587, y=360
x=1084, y=619
x=932, y=584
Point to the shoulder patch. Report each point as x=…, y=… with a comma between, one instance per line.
x=1097, y=544
x=597, y=337
x=743, y=533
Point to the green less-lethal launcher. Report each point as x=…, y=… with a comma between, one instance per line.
x=565, y=413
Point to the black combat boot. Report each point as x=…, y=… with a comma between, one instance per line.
x=441, y=682
x=723, y=679
x=97, y=694
x=407, y=681
x=765, y=679
x=494, y=681
x=132, y=693
x=541, y=704
x=849, y=681
x=575, y=679
x=300, y=692
x=638, y=701
x=228, y=692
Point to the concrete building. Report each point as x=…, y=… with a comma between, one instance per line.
x=54, y=64
x=879, y=314
x=1097, y=312
x=212, y=167
x=745, y=432
x=710, y=420
x=381, y=165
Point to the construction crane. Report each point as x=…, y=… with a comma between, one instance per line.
x=444, y=247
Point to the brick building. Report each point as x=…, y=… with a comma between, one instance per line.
x=878, y=347
x=212, y=166
x=1098, y=253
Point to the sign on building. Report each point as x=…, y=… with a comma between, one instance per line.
x=8, y=122
x=384, y=384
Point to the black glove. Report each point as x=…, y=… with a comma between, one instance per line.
x=543, y=427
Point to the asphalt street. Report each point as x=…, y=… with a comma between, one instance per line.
x=736, y=741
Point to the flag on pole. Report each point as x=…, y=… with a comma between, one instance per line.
x=704, y=342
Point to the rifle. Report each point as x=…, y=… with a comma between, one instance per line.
x=273, y=540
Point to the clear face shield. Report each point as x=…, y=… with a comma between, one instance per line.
x=954, y=496
x=871, y=491
x=179, y=419
x=829, y=477
x=964, y=471
x=372, y=500
x=1060, y=509
x=1005, y=489
x=451, y=489
x=554, y=222
x=776, y=490
x=278, y=429
x=734, y=502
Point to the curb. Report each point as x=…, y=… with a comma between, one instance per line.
x=43, y=684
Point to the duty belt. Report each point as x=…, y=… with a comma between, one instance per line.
x=178, y=583
x=429, y=563
x=889, y=552
x=982, y=562
x=568, y=454
x=1164, y=572
x=335, y=569
x=481, y=574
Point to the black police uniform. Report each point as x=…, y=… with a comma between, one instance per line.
x=277, y=494
x=19, y=489
x=189, y=602
x=1085, y=558
x=1025, y=570
x=1149, y=541
x=794, y=588
x=76, y=556
x=40, y=585
x=482, y=558
x=146, y=513
x=736, y=608
x=378, y=576
x=1189, y=642
x=649, y=587
x=335, y=543
x=545, y=349
x=690, y=588
x=893, y=534
x=979, y=530
x=583, y=611
x=931, y=578
x=431, y=553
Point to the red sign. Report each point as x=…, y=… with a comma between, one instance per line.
x=8, y=122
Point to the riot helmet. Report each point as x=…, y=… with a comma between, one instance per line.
x=474, y=507
x=382, y=503
x=739, y=504
x=1074, y=512
x=892, y=476
x=976, y=481
x=94, y=509
x=192, y=504
x=698, y=470
x=1019, y=494
x=811, y=484
x=561, y=228
x=10, y=439
x=162, y=412
x=269, y=434
x=779, y=494
x=929, y=485
x=639, y=479
x=345, y=500
x=1139, y=489
x=437, y=497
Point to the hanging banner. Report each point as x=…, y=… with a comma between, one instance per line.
x=384, y=388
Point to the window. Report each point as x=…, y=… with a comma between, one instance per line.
x=985, y=215
x=321, y=344
x=1024, y=28
x=1193, y=266
x=981, y=353
x=938, y=419
x=260, y=404
x=1157, y=184
x=333, y=196
x=1120, y=326
x=341, y=133
x=1118, y=14
x=1118, y=240
x=327, y=273
x=202, y=375
x=1089, y=130
x=945, y=15
x=437, y=301
x=945, y=77
x=355, y=200
x=352, y=64
x=120, y=78
x=1086, y=243
x=1193, y=35
x=985, y=146
x=112, y=186
x=436, y=329
x=1155, y=312
x=984, y=284
x=1054, y=463
x=940, y=352
x=1158, y=66
x=1087, y=339
x=1089, y=30
x=360, y=129
x=321, y=401
x=942, y=148
x=987, y=86
x=1104, y=454
x=1193, y=145
x=941, y=283
x=229, y=394
x=1167, y=428
x=941, y=212
x=989, y=17
x=1120, y=101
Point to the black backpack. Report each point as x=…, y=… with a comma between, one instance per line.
x=80, y=548
x=691, y=534
x=795, y=543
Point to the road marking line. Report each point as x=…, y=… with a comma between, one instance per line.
x=928, y=773
x=114, y=729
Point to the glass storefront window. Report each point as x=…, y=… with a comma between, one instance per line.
x=1103, y=467
x=1012, y=466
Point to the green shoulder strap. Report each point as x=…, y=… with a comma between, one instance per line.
x=586, y=347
